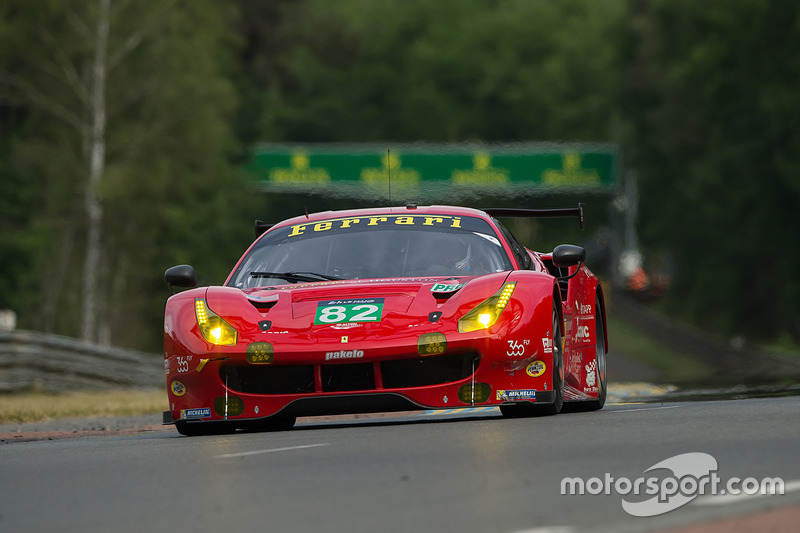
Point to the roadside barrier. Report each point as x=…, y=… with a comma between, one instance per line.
x=34, y=361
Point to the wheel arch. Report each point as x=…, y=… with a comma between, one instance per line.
x=601, y=311
x=559, y=305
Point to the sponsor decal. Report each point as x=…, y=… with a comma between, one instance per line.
x=259, y=353
x=475, y=393
x=511, y=395
x=591, y=374
x=445, y=287
x=583, y=309
x=431, y=344
x=344, y=354
x=375, y=220
x=582, y=333
x=536, y=369
x=197, y=412
x=201, y=365
x=183, y=363
x=166, y=365
x=346, y=325
x=350, y=310
x=345, y=339
x=177, y=388
x=547, y=344
x=517, y=348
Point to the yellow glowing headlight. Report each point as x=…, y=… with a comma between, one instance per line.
x=212, y=327
x=488, y=311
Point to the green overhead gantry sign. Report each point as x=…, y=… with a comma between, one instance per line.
x=434, y=170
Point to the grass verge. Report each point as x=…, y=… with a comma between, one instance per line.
x=672, y=366
x=36, y=406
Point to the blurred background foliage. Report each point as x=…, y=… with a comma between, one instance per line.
x=702, y=98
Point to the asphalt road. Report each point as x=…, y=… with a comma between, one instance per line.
x=423, y=472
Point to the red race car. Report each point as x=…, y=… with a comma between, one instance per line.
x=385, y=309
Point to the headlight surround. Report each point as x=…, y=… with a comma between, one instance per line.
x=488, y=311
x=213, y=328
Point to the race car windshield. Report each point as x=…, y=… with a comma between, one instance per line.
x=373, y=247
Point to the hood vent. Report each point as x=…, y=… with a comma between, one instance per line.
x=264, y=303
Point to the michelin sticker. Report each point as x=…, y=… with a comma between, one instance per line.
x=510, y=395
x=199, y=412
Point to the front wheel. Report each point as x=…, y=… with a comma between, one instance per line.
x=600, y=354
x=522, y=409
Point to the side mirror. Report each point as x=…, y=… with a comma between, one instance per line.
x=180, y=276
x=261, y=227
x=567, y=255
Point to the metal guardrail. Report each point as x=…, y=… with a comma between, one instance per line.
x=33, y=361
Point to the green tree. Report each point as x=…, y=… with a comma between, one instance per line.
x=127, y=135
x=711, y=97
x=452, y=70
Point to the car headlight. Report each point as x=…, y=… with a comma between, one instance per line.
x=488, y=311
x=213, y=328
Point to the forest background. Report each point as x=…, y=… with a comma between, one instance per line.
x=126, y=129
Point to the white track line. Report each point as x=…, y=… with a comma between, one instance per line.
x=642, y=409
x=259, y=452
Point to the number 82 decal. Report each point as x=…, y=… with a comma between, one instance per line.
x=351, y=310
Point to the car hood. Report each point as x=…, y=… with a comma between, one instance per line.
x=359, y=307
x=394, y=296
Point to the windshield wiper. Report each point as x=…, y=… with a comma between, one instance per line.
x=293, y=276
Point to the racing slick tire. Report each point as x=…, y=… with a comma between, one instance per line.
x=523, y=409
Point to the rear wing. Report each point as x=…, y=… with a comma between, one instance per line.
x=539, y=213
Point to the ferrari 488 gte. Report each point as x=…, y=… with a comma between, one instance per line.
x=385, y=309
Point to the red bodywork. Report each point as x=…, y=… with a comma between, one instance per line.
x=414, y=357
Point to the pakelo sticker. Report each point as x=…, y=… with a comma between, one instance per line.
x=178, y=388
x=349, y=310
x=536, y=369
x=344, y=354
